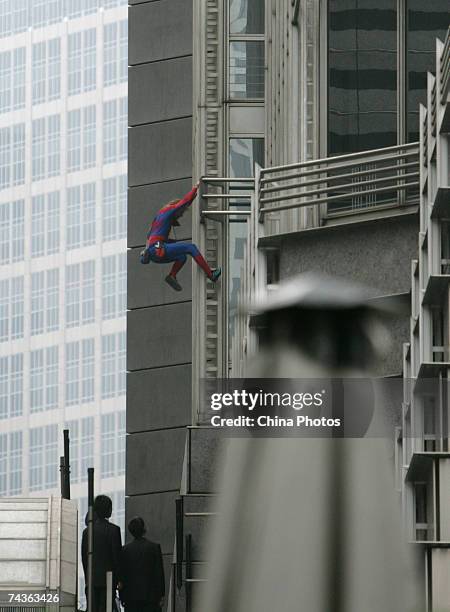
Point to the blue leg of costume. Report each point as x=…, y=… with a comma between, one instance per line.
x=177, y=252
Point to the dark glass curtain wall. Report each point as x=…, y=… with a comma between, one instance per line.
x=362, y=68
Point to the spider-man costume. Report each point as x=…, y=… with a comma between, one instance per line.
x=161, y=249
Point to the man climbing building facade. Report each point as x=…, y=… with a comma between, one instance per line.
x=160, y=248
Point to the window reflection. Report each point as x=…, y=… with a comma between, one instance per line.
x=247, y=69
x=362, y=75
x=246, y=17
x=244, y=153
x=426, y=21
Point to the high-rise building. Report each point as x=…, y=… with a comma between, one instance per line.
x=63, y=134
x=303, y=118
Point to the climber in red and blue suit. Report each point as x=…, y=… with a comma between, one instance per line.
x=160, y=248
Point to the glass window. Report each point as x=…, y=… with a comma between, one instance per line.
x=4, y=310
x=5, y=157
x=109, y=209
x=53, y=214
x=12, y=227
x=54, y=11
x=38, y=149
x=20, y=15
x=123, y=108
x=5, y=81
x=121, y=362
x=73, y=228
x=53, y=144
x=122, y=284
x=247, y=17
x=246, y=76
x=39, y=59
x=110, y=131
x=90, y=59
x=362, y=75
x=4, y=387
x=36, y=459
x=38, y=13
x=18, y=154
x=54, y=68
x=37, y=381
x=74, y=140
x=5, y=17
x=425, y=23
x=18, y=85
x=110, y=54
x=123, y=49
x=108, y=366
x=38, y=226
x=73, y=288
x=88, y=292
x=74, y=8
x=74, y=63
x=16, y=388
x=17, y=297
x=52, y=298
x=122, y=206
x=243, y=154
x=109, y=287
x=89, y=214
x=11, y=386
x=87, y=370
x=15, y=463
x=108, y=425
x=87, y=446
x=72, y=373
x=121, y=421
x=51, y=456
x=37, y=302
x=89, y=137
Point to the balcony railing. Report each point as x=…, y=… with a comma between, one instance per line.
x=445, y=68
x=362, y=180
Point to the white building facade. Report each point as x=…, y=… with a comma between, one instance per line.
x=63, y=167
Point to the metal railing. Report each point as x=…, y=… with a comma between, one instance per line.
x=445, y=68
x=354, y=181
x=223, y=190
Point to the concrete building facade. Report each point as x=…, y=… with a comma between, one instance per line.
x=303, y=121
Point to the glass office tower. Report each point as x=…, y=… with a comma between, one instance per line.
x=63, y=167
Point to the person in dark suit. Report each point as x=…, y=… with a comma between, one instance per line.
x=107, y=553
x=143, y=573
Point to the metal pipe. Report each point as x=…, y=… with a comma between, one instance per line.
x=90, y=527
x=327, y=167
x=109, y=592
x=226, y=196
x=215, y=179
x=336, y=177
x=342, y=158
x=66, y=463
x=247, y=213
x=335, y=198
x=179, y=542
x=306, y=194
x=61, y=474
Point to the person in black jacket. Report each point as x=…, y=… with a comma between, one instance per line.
x=107, y=553
x=143, y=573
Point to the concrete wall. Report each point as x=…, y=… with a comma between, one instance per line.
x=376, y=254
x=159, y=319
